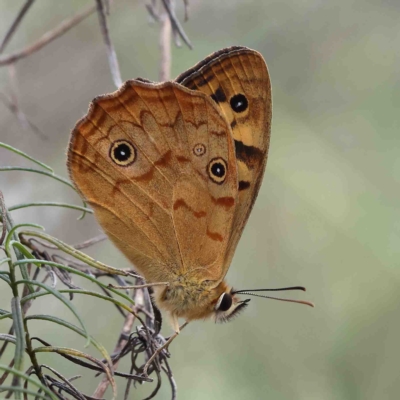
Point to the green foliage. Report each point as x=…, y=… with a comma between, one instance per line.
x=22, y=257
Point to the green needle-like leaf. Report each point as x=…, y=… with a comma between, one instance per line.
x=27, y=378
x=74, y=328
x=76, y=272
x=50, y=204
x=21, y=153
x=57, y=294
x=18, y=324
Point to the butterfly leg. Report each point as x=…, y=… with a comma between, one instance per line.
x=173, y=319
x=161, y=348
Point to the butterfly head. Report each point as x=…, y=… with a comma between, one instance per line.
x=228, y=306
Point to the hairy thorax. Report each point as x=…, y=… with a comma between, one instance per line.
x=188, y=298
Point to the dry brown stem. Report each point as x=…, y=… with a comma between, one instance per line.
x=165, y=48
x=48, y=37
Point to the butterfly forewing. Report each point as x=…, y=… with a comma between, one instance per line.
x=157, y=164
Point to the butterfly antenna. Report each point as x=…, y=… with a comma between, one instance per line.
x=251, y=292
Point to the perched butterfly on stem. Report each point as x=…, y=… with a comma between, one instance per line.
x=172, y=171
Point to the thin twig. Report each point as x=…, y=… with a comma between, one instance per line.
x=152, y=12
x=107, y=6
x=90, y=242
x=176, y=24
x=112, y=56
x=22, y=118
x=167, y=369
x=160, y=349
x=14, y=107
x=165, y=47
x=6, y=373
x=126, y=330
x=65, y=380
x=15, y=24
x=186, y=4
x=48, y=37
x=13, y=82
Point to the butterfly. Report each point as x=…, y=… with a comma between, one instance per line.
x=172, y=171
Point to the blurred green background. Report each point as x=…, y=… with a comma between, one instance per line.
x=327, y=216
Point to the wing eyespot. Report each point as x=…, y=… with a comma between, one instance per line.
x=239, y=103
x=123, y=153
x=217, y=170
x=199, y=149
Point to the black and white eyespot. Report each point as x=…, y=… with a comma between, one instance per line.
x=199, y=149
x=123, y=153
x=217, y=170
x=224, y=302
x=239, y=103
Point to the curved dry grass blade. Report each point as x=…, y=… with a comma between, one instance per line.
x=74, y=328
x=122, y=341
x=92, y=367
x=48, y=37
x=167, y=369
x=156, y=389
x=77, y=353
x=67, y=382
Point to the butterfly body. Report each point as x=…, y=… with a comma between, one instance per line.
x=172, y=171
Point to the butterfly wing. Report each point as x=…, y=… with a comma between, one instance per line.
x=237, y=80
x=157, y=165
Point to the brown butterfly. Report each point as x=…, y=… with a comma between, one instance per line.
x=172, y=171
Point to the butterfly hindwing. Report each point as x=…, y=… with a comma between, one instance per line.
x=237, y=80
